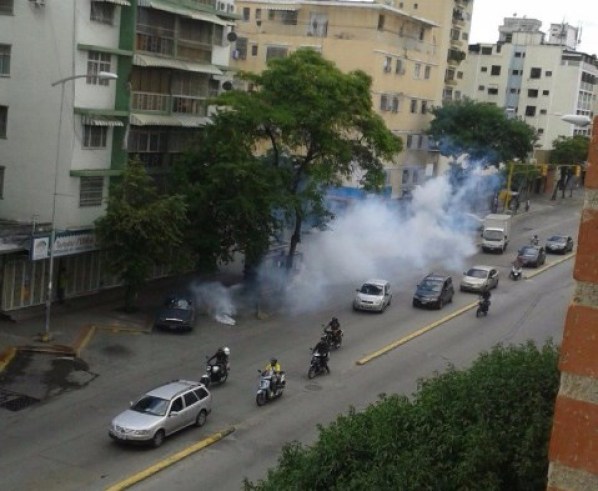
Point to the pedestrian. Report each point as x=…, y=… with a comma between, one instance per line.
x=527, y=204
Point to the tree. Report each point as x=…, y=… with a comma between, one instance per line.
x=570, y=149
x=140, y=229
x=481, y=130
x=486, y=427
x=312, y=123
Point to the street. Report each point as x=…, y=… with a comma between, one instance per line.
x=62, y=444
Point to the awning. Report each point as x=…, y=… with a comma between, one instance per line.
x=184, y=11
x=124, y=3
x=101, y=121
x=168, y=120
x=156, y=61
x=284, y=9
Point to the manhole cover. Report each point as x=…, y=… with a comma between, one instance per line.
x=313, y=387
x=14, y=401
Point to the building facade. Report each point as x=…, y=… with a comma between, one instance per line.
x=403, y=46
x=534, y=80
x=65, y=130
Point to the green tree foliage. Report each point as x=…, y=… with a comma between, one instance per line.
x=570, y=149
x=140, y=229
x=481, y=130
x=313, y=124
x=486, y=427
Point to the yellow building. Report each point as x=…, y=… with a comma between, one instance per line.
x=403, y=51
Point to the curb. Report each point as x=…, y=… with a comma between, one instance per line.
x=413, y=335
x=6, y=357
x=549, y=265
x=168, y=461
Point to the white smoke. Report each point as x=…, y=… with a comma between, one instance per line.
x=375, y=239
x=216, y=300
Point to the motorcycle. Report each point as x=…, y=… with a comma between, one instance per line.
x=265, y=391
x=483, y=307
x=516, y=273
x=317, y=366
x=334, y=338
x=215, y=374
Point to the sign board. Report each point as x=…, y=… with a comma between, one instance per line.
x=65, y=244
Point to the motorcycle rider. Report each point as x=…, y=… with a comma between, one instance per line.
x=333, y=328
x=517, y=268
x=485, y=300
x=534, y=240
x=276, y=370
x=322, y=351
x=220, y=358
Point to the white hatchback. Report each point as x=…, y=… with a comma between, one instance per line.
x=374, y=295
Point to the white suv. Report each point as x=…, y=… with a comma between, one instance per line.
x=162, y=412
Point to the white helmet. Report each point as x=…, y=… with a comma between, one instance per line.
x=226, y=350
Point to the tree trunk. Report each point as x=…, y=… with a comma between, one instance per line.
x=295, y=239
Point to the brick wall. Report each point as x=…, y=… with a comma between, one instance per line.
x=573, y=449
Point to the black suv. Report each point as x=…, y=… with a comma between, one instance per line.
x=434, y=290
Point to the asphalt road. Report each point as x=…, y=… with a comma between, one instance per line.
x=62, y=444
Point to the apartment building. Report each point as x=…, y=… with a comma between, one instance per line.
x=535, y=79
x=403, y=46
x=65, y=129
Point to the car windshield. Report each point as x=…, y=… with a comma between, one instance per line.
x=151, y=405
x=477, y=273
x=370, y=289
x=493, y=235
x=178, y=303
x=557, y=238
x=430, y=286
x=528, y=251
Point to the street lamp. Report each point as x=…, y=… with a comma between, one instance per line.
x=46, y=336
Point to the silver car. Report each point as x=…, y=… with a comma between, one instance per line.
x=373, y=295
x=479, y=279
x=162, y=412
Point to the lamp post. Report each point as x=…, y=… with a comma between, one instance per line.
x=46, y=336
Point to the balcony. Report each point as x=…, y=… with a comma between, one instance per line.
x=169, y=104
x=150, y=101
x=195, y=106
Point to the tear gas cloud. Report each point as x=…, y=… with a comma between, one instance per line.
x=216, y=300
x=374, y=239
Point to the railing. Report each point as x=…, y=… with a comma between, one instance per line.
x=149, y=101
x=197, y=106
x=155, y=44
x=167, y=104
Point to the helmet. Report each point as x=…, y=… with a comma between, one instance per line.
x=226, y=350
x=273, y=361
x=334, y=319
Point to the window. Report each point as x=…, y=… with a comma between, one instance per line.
x=380, y=22
x=530, y=110
x=540, y=131
x=4, y=59
x=413, y=106
x=383, y=102
x=486, y=50
x=409, y=144
x=415, y=6
x=318, y=25
x=97, y=62
x=177, y=405
x=518, y=54
x=399, y=67
x=455, y=34
x=94, y=136
x=424, y=107
x=459, y=75
x=395, y=104
x=91, y=191
x=481, y=87
x=6, y=7
x=427, y=70
x=276, y=52
x=492, y=90
x=516, y=72
x=545, y=92
x=420, y=144
x=258, y=14
x=102, y=12
x=509, y=39
x=3, y=120
x=246, y=13
x=543, y=111
x=535, y=73
x=254, y=50
x=417, y=70
x=240, y=52
x=201, y=393
x=548, y=73
x=422, y=33
x=532, y=92
x=495, y=70
x=512, y=90
x=387, y=64
x=484, y=69
x=190, y=398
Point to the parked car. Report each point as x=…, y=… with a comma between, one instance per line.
x=479, y=278
x=373, y=295
x=559, y=243
x=176, y=314
x=532, y=256
x=434, y=290
x=162, y=412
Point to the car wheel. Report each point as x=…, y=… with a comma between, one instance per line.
x=201, y=418
x=158, y=438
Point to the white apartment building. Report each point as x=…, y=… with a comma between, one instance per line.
x=533, y=79
x=65, y=131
